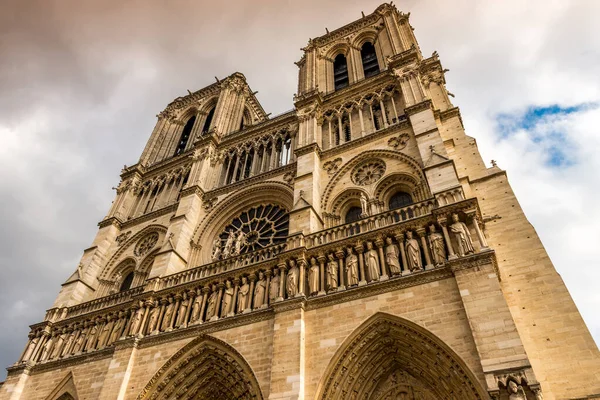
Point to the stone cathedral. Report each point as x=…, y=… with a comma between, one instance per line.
x=355, y=247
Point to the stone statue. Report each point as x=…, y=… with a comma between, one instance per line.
x=392, y=254
x=216, y=250
x=351, y=268
x=80, y=340
x=103, y=336
x=196, y=307
x=313, y=277
x=91, y=339
x=166, y=321
x=364, y=205
x=116, y=283
x=240, y=242
x=515, y=391
x=48, y=346
x=136, y=321
x=211, y=308
x=438, y=247
x=274, y=286
x=58, y=346
x=183, y=306
x=260, y=290
x=292, y=280
x=227, y=299
x=32, y=343
x=68, y=344
x=228, y=248
x=462, y=235
x=243, y=295
x=413, y=253
x=332, y=267
x=153, y=317
x=372, y=263
x=118, y=328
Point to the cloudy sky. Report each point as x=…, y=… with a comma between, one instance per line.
x=81, y=83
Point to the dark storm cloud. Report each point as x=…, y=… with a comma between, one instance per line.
x=81, y=82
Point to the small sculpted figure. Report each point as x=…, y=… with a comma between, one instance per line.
x=166, y=321
x=313, y=277
x=413, y=253
x=462, y=235
x=153, y=318
x=351, y=268
x=274, y=286
x=227, y=299
x=515, y=392
x=438, y=247
x=240, y=241
x=211, y=308
x=292, y=280
x=228, y=249
x=364, y=205
x=260, y=290
x=332, y=267
x=243, y=295
x=216, y=250
x=392, y=254
x=372, y=262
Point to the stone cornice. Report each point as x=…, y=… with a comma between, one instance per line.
x=110, y=221
x=257, y=178
x=147, y=217
x=195, y=189
x=72, y=360
x=422, y=106
x=407, y=57
x=474, y=261
x=309, y=148
x=169, y=163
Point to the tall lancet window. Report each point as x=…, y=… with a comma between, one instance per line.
x=208, y=121
x=340, y=72
x=369, y=60
x=185, y=135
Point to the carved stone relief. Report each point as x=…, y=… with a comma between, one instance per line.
x=146, y=244
x=368, y=172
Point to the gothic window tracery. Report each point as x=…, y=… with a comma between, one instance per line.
x=368, y=173
x=146, y=244
x=262, y=226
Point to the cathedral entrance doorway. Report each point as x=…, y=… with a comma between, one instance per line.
x=390, y=358
x=204, y=369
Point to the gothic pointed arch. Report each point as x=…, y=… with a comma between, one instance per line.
x=270, y=192
x=206, y=368
x=65, y=390
x=391, y=357
x=137, y=247
x=370, y=178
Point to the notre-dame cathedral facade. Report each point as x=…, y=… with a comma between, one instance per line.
x=356, y=247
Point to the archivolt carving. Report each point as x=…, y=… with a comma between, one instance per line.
x=412, y=164
x=205, y=368
x=118, y=256
x=386, y=346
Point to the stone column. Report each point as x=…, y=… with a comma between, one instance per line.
x=236, y=287
x=252, y=279
x=321, y=259
x=400, y=239
x=480, y=236
x=362, y=123
x=342, y=276
x=218, y=311
x=175, y=315
x=382, y=268
x=422, y=234
x=161, y=314
x=451, y=254
x=282, y=270
x=267, y=288
x=361, y=264
x=301, y=277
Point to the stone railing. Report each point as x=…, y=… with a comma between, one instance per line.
x=220, y=266
x=369, y=223
x=225, y=289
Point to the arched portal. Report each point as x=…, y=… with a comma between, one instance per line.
x=388, y=357
x=206, y=368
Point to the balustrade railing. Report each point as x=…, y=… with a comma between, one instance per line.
x=225, y=265
x=103, y=302
x=369, y=223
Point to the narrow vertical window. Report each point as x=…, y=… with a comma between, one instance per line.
x=208, y=121
x=126, y=284
x=340, y=72
x=369, y=60
x=185, y=135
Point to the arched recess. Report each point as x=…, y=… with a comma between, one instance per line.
x=399, y=182
x=342, y=179
x=345, y=200
x=206, y=368
x=65, y=390
x=391, y=357
x=269, y=192
x=128, y=248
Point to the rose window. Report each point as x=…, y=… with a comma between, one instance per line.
x=368, y=173
x=262, y=226
x=146, y=244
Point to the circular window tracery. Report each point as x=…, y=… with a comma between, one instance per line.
x=261, y=226
x=146, y=244
x=368, y=173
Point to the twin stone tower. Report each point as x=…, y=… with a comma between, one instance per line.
x=356, y=247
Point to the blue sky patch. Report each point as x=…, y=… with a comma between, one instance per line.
x=545, y=127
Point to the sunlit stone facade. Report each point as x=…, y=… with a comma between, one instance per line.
x=356, y=247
